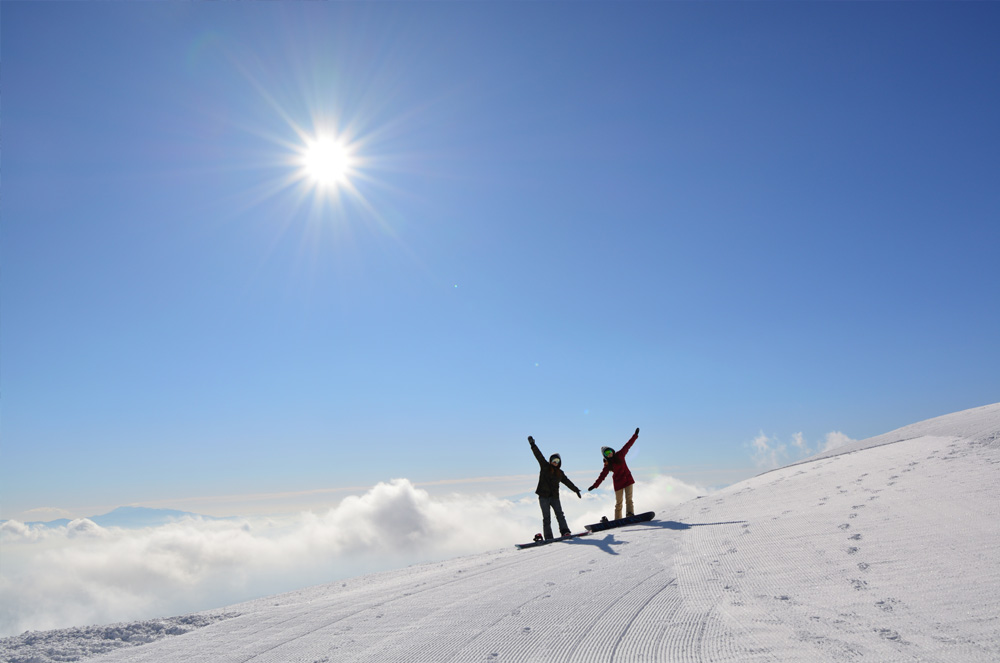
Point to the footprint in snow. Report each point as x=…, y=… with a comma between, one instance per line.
x=855, y=537
x=887, y=605
x=889, y=634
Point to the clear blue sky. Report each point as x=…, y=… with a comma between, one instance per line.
x=565, y=220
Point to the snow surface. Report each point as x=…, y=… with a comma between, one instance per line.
x=887, y=549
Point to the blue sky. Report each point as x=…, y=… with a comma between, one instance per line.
x=714, y=222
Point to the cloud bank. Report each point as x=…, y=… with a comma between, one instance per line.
x=84, y=574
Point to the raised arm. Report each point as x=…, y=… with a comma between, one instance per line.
x=628, y=445
x=538, y=454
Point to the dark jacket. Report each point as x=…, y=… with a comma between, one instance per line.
x=550, y=476
x=616, y=465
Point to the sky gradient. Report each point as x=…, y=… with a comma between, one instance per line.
x=715, y=222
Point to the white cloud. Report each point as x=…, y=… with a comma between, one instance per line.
x=662, y=493
x=45, y=513
x=12, y=530
x=83, y=573
x=835, y=440
x=769, y=452
x=83, y=527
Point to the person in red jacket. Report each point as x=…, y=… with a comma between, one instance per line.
x=614, y=462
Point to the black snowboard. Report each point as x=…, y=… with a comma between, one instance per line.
x=546, y=541
x=628, y=520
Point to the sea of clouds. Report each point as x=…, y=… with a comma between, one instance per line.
x=82, y=574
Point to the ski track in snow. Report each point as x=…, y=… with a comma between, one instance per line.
x=885, y=552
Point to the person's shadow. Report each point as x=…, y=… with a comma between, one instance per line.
x=604, y=544
x=608, y=542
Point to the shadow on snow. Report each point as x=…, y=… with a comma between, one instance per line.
x=606, y=544
x=674, y=525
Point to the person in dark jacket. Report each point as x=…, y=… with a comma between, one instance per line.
x=549, y=478
x=614, y=462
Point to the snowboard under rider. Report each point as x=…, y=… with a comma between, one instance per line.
x=549, y=478
x=614, y=462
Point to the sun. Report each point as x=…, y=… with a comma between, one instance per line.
x=326, y=162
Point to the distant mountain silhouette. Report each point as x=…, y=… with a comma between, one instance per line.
x=131, y=517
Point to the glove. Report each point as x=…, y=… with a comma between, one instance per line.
x=636, y=431
x=531, y=440
x=579, y=494
x=590, y=489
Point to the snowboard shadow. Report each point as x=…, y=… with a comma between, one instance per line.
x=679, y=526
x=608, y=543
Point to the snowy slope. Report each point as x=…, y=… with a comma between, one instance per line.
x=884, y=550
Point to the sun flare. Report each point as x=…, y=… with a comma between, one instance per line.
x=326, y=162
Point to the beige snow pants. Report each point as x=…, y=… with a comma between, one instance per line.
x=626, y=494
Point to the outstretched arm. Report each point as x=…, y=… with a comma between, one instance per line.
x=538, y=454
x=604, y=473
x=569, y=484
x=628, y=445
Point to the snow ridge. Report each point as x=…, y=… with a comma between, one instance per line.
x=977, y=426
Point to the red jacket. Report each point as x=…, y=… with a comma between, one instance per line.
x=616, y=465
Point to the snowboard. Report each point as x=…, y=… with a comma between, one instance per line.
x=521, y=546
x=628, y=520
